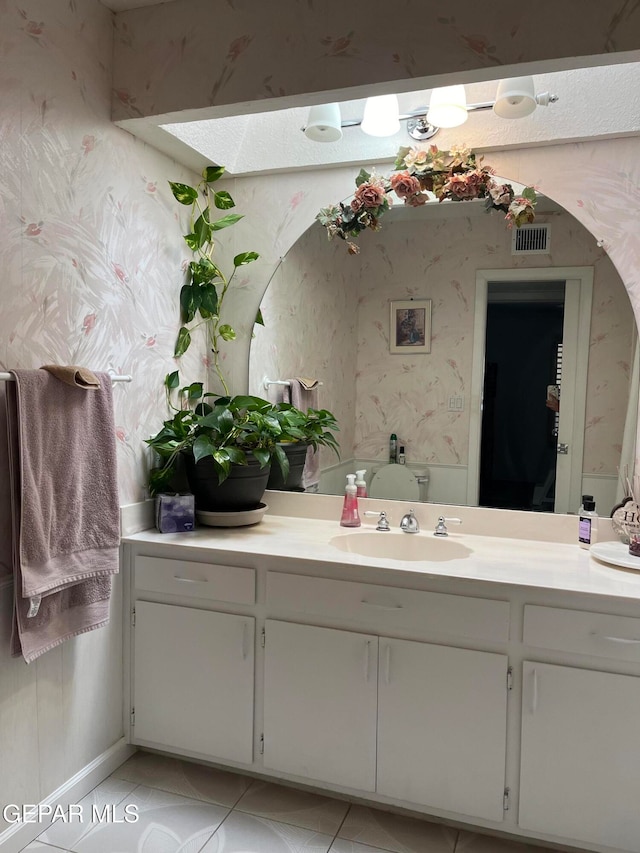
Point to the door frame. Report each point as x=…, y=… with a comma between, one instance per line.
x=576, y=330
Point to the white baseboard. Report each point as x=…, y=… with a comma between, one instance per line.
x=13, y=839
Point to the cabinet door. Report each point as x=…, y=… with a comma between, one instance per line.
x=320, y=704
x=442, y=727
x=193, y=680
x=580, y=760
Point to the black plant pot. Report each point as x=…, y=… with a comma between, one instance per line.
x=297, y=455
x=242, y=490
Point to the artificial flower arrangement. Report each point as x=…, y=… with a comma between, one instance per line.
x=421, y=174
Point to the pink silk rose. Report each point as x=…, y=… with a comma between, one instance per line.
x=465, y=186
x=368, y=195
x=404, y=185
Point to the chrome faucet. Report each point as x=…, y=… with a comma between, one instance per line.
x=441, y=527
x=383, y=521
x=409, y=523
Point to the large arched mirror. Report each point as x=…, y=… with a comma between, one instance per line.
x=473, y=413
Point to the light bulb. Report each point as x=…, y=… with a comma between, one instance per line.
x=381, y=116
x=448, y=107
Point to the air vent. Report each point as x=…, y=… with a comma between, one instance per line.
x=531, y=240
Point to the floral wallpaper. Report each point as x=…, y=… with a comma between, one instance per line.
x=428, y=258
x=90, y=242
x=310, y=315
x=89, y=238
x=178, y=56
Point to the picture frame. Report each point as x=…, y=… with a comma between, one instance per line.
x=410, y=326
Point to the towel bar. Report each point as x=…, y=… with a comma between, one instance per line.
x=115, y=377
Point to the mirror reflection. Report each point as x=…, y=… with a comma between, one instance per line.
x=515, y=329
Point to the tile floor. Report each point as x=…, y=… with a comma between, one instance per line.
x=188, y=808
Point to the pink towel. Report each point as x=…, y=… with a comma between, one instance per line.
x=6, y=559
x=64, y=507
x=304, y=395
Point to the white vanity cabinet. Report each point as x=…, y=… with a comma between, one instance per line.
x=442, y=716
x=580, y=752
x=510, y=707
x=414, y=721
x=320, y=697
x=192, y=667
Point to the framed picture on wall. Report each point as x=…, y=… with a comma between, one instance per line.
x=410, y=326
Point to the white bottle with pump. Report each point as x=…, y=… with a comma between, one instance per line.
x=361, y=483
x=588, y=523
x=350, y=516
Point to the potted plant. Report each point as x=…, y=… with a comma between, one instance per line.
x=223, y=448
x=300, y=431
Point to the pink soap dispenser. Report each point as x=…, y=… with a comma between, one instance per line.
x=350, y=517
x=361, y=484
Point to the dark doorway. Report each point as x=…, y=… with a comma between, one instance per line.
x=523, y=357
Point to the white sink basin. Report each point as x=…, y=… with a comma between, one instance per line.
x=401, y=546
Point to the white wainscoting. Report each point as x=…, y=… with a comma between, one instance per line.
x=603, y=487
x=447, y=483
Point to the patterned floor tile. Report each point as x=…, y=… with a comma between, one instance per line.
x=244, y=833
x=166, y=823
x=103, y=798
x=184, y=778
x=341, y=845
x=291, y=805
x=397, y=833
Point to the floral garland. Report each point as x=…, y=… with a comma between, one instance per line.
x=419, y=175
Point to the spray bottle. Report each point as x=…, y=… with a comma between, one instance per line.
x=350, y=517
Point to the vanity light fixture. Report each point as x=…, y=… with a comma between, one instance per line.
x=381, y=116
x=324, y=123
x=448, y=107
x=515, y=98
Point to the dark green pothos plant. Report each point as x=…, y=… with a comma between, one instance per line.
x=227, y=429
x=202, y=296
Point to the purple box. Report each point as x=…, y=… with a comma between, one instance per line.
x=175, y=513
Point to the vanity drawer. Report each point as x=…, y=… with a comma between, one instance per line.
x=616, y=637
x=385, y=607
x=197, y=580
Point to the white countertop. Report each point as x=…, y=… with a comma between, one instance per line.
x=498, y=560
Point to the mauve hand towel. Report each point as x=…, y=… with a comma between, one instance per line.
x=6, y=560
x=304, y=395
x=66, y=528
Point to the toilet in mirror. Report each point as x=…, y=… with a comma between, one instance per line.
x=395, y=482
x=525, y=399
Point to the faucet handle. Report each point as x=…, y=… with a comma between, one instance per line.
x=441, y=527
x=409, y=523
x=383, y=521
